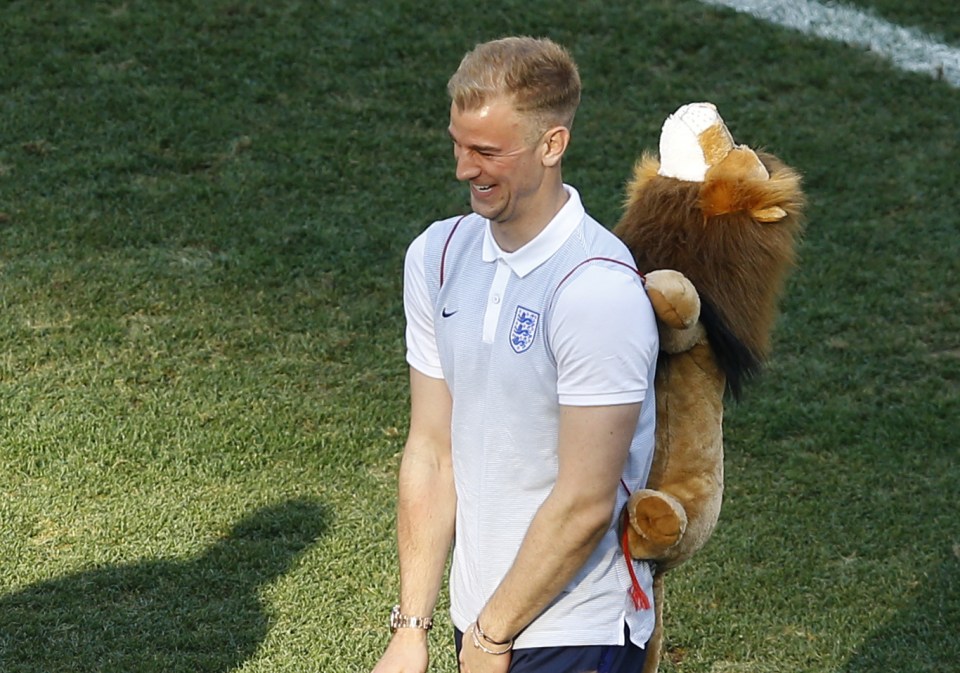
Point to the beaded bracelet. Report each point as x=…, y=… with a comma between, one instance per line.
x=480, y=646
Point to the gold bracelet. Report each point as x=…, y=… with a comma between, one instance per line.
x=480, y=646
x=508, y=641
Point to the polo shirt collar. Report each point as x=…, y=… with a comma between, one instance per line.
x=545, y=244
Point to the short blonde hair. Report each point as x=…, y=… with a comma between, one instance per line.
x=536, y=74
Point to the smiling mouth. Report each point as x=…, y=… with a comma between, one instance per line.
x=483, y=189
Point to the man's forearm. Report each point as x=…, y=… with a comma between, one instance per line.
x=426, y=511
x=425, y=522
x=560, y=539
x=572, y=520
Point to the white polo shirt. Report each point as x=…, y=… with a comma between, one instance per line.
x=564, y=320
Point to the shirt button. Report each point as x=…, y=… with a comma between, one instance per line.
x=496, y=299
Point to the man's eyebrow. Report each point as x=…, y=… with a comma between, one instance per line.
x=476, y=148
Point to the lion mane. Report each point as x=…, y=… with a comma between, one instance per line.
x=733, y=236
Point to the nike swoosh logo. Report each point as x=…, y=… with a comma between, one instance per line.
x=446, y=314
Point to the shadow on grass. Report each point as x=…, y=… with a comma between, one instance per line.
x=199, y=614
x=923, y=638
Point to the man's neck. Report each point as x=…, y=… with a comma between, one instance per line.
x=513, y=235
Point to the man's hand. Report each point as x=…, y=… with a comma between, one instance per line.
x=406, y=653
x=475, y=660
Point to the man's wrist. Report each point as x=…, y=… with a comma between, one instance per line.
x=411, y=638
x=399, y=620
x=496, y=641
x=484, y=644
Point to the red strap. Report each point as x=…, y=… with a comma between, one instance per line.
x=640, y=600
x=594, y=259
x=443, y=256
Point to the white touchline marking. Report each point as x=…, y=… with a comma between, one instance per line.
x=908, y=48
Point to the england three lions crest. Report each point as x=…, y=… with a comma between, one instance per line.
x=524, y=329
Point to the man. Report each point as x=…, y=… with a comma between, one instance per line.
x=532, y=348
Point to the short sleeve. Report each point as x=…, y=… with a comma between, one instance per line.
x=422, y=352
x=604, y=337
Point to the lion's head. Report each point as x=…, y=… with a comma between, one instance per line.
x=726, y=217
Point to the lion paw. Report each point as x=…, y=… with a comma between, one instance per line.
x=675, y=301
x=657, y=522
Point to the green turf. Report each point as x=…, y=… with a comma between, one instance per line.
x=203, y=213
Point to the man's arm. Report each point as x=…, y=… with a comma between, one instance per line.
x=425, y=518
x=593, y=447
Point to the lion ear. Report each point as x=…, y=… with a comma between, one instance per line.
x=767, y=215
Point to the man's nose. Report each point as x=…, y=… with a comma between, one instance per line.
x=467, y=166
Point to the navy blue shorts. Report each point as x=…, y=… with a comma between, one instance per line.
x=626, y=658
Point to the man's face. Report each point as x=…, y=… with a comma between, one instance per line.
x=496, y=157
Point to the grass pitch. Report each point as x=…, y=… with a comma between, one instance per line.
x=203, y=213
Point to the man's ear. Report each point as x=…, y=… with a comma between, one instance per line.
x=555, y=143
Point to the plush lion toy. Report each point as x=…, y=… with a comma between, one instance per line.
x=713, y=226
